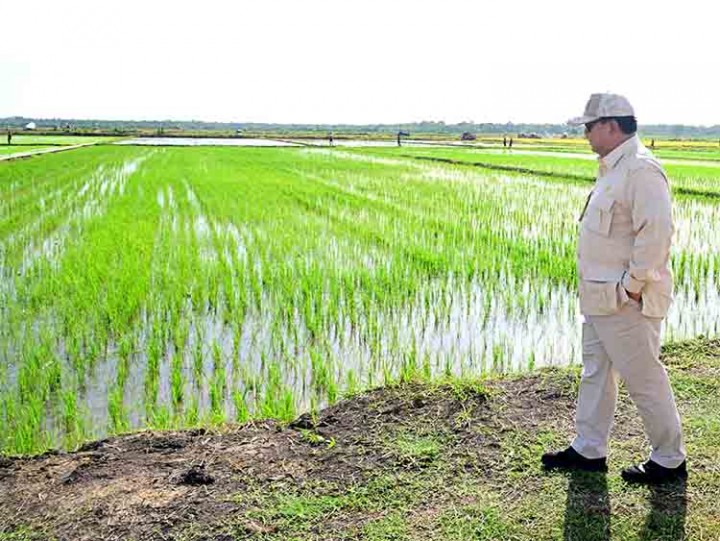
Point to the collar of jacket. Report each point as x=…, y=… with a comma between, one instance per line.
x=627, y=147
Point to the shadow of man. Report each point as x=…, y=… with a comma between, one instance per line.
x=668, y=506
x=587, y=511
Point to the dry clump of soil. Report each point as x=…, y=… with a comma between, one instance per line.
x=155, y=485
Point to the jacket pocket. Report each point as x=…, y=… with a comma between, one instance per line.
x=598, y=216
x=598, y=298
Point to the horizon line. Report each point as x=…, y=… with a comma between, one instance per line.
x=354, y=124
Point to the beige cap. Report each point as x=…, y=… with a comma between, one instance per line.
x=602, y=106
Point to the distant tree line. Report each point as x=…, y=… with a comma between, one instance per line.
x=668, y=131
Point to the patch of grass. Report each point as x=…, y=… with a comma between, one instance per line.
x=290, y=510
x=413, y=449
x=699, y=349
x=313, y=438
x=478, y=522
x=692, y=387
x=25, y=534
x=566, y=380
x=309, y=507
x=466, y=388
x=388, y=528
x=521, y=451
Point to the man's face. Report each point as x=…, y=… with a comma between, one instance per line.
x=598, y=134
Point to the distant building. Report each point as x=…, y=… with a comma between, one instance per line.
x=467, y=136
x=30, y=126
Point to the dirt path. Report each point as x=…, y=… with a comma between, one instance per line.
x=22, y=155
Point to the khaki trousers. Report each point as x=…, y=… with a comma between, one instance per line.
x=627, y=344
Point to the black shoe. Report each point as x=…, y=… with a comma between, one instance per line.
x=570, y=459
x=652, y=473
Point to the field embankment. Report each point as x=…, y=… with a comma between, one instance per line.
x=415, y=461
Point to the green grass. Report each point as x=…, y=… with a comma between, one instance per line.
x=515, y=500
x=25, y=535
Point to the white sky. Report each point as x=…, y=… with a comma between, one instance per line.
x=350, y=61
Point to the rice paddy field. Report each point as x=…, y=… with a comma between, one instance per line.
x=174, y=287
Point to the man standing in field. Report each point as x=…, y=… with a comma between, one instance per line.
x=625, y=287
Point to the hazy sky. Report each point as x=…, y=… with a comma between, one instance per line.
x=348, y=61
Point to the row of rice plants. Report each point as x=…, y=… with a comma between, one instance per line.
x=692, y=178
x=60, y=302
x=662, y=147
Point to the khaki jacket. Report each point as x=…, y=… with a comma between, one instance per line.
x=625, y=234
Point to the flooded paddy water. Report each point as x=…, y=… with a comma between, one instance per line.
x=164, y=288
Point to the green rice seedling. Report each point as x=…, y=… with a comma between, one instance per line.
x=242, y=413
x=192, y=412
x=177, y=383
x=498, y=360
x=332, y=392
x=71, y=414
x=352, y=384
x=409, y=369
x=152, y=374
x=198, y=356
x=26, y=436
x=160, y=418
x=218, y=386
x=119, y=421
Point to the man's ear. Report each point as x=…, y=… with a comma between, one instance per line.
x=614, y=127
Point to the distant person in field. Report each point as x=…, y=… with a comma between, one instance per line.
x=625, y=286
x=510, y=143
x=9, y=137
x=330, y=138
x=504, y=141
x=652, y=143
